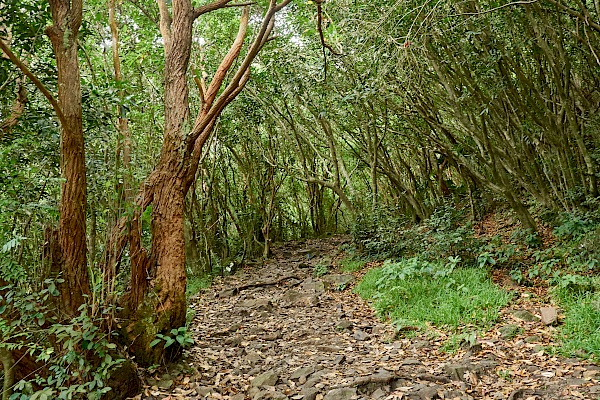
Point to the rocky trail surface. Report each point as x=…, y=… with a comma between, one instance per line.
x=277, y=332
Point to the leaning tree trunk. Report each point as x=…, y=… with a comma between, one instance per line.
x=156, y=303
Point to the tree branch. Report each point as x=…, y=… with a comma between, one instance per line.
x=165, y=23
x=228, y=60
x=35, y=80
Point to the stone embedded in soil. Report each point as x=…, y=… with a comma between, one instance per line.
x=313, y=286
x=344, y=324
x=378, y=394
x=525, y=315
x=309, y=393
x=509, y=331
x=429, y=393
x=533, y=339
x=202, y=391
x=268, y=378
x=456, y=371
x=589, y=374
x=361, y=335
x=303, y=372
x=549, y=315
x=165, y=383
x=340, y=394
x=338, y=280
x=257, y=304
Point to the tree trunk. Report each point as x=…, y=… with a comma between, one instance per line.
x=66, y=16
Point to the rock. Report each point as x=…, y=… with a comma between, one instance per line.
x=272, y=336
x=337, y=281
x=313, y=286
x=293, y=297
x=340, y=394
x=328, y=349
x=261, y=394
x=576, y=382
x=482, y=366
x=509, y=331
x=312, y=382
x=309, y=393
x=456, y=371
x=525, y=315
x=227, y=293
x=203, y=391
x=302, y=372
x=549, y=315
x=253, y=357
x=361, y=335
x=339, y=359
x=278, y=396
x=594, y=390
x=239, y=396
x=589, y=374
x=419, y=344
x=165, y=383
x=268, y=378
x=411, y=361
x=257, y=304
x=234, y=341
x=378, y=394
x=533, y=339
x=343, y=324
x=428, y=393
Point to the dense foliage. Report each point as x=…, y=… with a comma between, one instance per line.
x=403, y=124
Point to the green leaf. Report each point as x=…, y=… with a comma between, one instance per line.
x=155, y=342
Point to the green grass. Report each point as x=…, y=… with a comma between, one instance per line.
x=580, y=330
x=351, y=264
x=197, y=283
x=414, y=292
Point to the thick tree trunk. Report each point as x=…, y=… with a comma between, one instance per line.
x=71, y=230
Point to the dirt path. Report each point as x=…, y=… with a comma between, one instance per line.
x=277, y=332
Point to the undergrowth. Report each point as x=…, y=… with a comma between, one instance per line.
x=421, y=282
x=415, y=292
x=580, y=329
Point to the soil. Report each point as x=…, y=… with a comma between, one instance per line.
x=278, y=332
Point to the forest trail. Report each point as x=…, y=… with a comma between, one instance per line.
x=278, y=332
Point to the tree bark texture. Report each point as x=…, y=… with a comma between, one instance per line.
x=66, y=17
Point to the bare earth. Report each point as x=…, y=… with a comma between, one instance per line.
x=276, y=332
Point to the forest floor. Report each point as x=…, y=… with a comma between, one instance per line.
x=278, y=332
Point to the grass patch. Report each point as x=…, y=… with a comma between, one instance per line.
x=580, y=331
x=197, y=283
x=414, y=292
x=352, y=264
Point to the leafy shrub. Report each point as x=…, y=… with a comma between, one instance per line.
x=78, y=355
x=385, y=234
x=320, y=270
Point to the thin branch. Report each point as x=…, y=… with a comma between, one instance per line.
x=35, y=81
x=228, y=60
x=165, y=23
x=324, y=44
x=151, y=17
x=514, y=3
x=582, y=16
x=215, y=5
